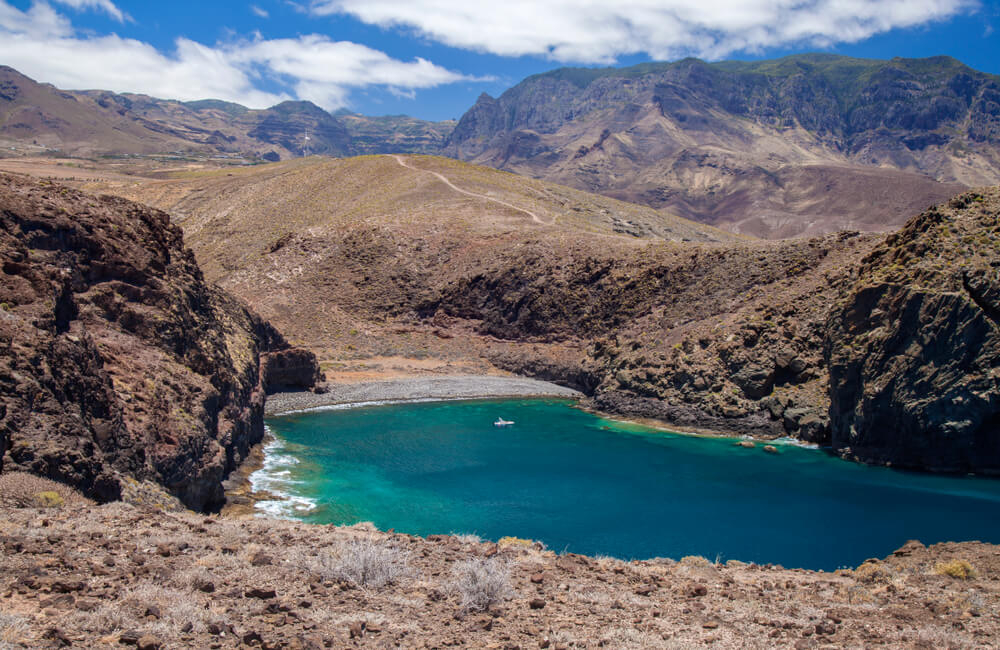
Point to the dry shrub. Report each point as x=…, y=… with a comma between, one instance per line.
x=47, y=499
x=519, y=542
x=481, y=583
x=695, y=561
x=23, y=490
x=366, y=563
x=110, y=617
x=960, y=569
x=873, y=571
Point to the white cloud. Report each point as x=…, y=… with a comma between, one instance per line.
x=600, y=31
x=258, y=73
x=260, y=13
x=106, y=6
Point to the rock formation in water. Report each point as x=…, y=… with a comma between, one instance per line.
x=117, y=360
x=914, y=352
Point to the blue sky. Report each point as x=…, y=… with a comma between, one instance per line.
x=432, y=58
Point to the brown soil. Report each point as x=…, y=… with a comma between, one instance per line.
x=97, y=576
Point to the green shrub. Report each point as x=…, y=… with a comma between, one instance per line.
x=47, y=499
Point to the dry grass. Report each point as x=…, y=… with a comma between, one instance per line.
x=873, y=571
x=481, y=583
x=13, y=631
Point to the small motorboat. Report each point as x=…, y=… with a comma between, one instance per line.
x=503, y=423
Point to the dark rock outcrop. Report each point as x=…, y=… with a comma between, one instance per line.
x=117, y=360
x=289, y=368
x=913, y=353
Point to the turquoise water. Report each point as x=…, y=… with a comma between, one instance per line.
x=590, y=485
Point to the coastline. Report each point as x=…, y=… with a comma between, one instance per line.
x=242, y=499
x=409, y=389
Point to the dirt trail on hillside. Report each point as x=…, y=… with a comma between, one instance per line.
x=444, y=179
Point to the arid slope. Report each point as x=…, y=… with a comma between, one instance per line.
x=120, y=574
x=452, y=267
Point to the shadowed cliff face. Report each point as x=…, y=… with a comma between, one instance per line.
x=915, y=350
x=116, y=358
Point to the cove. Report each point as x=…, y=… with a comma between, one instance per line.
x=586, y=484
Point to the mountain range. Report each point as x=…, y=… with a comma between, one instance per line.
x=802, y=145
x=798, y=145
x=96, y=122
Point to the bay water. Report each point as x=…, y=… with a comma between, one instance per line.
x=586, y=484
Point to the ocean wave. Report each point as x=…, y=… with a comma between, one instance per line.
x=795, y=442
x=274, y=477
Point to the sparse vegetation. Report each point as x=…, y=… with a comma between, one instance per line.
x=367, y=563
x=873, y=571
x=13, y=631
x=957, y=568
x=47, y=499
x=481, y=583
x=504, y=542
x=22, y=490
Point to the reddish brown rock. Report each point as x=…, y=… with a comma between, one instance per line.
x=117, y=358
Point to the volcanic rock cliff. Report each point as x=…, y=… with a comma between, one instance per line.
x=914, y=353
x=117, y=360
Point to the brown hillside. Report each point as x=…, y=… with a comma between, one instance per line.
x=134, y=576
x=368, y=261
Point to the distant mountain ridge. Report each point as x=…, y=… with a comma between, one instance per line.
x=798, y=145
x=802, y=145
x=96, y=122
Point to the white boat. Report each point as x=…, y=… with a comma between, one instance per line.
x=503, y=423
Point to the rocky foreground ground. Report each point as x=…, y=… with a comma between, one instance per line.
x=134, y=574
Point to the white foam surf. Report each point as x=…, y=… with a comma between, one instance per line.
x=274, y=478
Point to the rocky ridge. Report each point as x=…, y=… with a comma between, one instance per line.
x=41, y=119
x=118, y=362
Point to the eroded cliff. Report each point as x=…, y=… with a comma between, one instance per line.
x=117, y=359
x=914, y=352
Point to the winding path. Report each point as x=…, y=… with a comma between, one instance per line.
x=444, y=179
